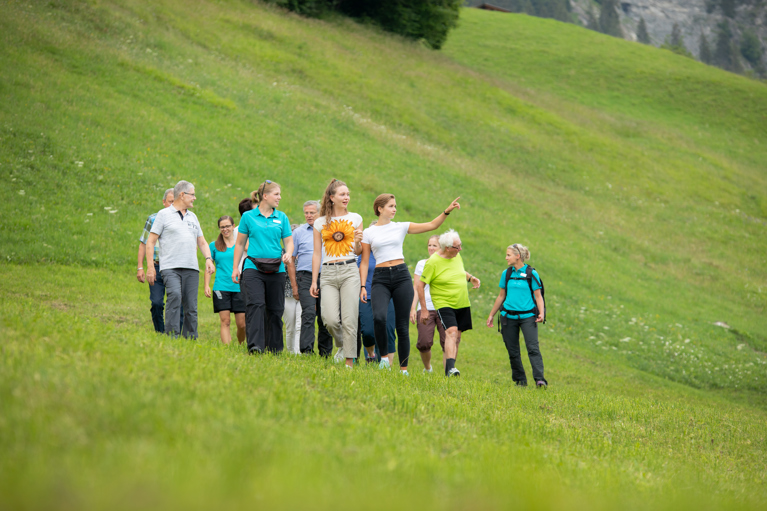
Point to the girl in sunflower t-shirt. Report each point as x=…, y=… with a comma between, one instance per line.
x=337, y=243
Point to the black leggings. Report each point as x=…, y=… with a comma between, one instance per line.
x=392, y=282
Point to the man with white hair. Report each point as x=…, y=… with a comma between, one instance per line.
x=181, y=234
x=446, y=277
x=156, y=291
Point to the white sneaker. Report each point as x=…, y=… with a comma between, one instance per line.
x=404, y=372
x=339, y=356
x=384, y=364
x=429, y=370
x=454, y=372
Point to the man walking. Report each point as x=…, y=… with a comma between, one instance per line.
x=180, y=233
x=157, y=291
x=303, y=243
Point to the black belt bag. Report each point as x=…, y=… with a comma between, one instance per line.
x=266, y=265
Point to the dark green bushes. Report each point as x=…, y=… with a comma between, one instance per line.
x=429, y=20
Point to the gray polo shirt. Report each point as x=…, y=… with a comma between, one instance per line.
x=179, y=238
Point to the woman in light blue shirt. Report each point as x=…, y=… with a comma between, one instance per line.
x=521, y=304
x=227, y=297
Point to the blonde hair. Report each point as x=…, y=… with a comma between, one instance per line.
x=381, y=201
x=267, y=186
x=522, y=250
x=326, y=204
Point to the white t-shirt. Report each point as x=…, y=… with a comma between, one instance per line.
x=338, y=237
x=386, y=240
x=419, y=271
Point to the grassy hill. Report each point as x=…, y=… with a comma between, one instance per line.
x=635, y=176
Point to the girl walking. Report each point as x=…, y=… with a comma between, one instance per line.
x=520, y=312
x=227, y=298
x=337, y=237
x=266, y=231
x=391, y=278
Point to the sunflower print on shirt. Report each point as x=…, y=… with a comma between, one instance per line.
x=338, y=238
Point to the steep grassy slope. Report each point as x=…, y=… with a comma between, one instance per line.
x=635, y=176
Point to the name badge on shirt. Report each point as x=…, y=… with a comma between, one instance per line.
x=523, y=274
x=276, y=221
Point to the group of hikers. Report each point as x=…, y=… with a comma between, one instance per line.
x=353, y=281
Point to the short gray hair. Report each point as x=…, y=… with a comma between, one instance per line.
x=314, y=203
x=448, y=239
x=168, y=192
x=181, y=186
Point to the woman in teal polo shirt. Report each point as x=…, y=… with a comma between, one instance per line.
x=263, y=275
x=227, y=298
x=520, y=312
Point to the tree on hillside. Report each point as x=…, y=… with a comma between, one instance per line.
x=705, y=50
x=609, y=21
x=642, y=35
x=725, y=53
x=675, y=42
x=751, y=48
x=591, y=20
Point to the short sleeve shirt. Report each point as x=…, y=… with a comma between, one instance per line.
x=447, y=282
x=303, y=247
x=265, y=235
x=518, y=297
x=178, y=234
x=224, y=262
x=338, y=237
x=145, y=236
x=386, y=240
x=419, y=272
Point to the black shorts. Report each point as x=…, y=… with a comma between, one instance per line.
x=228, y=301
x=460, y=318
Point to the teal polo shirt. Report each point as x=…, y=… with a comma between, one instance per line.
x=518, y=297
x=265, y=234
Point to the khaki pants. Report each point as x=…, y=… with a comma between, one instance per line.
x=340, y=297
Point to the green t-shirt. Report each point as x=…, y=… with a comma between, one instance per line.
x=447, y=281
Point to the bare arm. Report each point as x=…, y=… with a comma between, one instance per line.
x=288, y=255
x=207, y=284
x=205, y=249
x=364, y=263
x=316, y=262
x=141, y=254
x=496, y=306
x=434, y=224
x=414, y=306
x=421, y=287
x=541, y=309
x=239, y=250
x=150, y=273
x=474, y=280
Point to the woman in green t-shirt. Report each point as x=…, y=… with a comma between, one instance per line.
x=446, y=277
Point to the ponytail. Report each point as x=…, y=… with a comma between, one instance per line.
x=257, y=195
x=220, y=243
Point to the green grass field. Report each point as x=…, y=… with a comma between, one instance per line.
x=635, y=176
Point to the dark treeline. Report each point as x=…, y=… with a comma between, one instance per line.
x=429, y=20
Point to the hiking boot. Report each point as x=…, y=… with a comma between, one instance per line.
x=454, y=372
x=541, y=384
x=520, y=383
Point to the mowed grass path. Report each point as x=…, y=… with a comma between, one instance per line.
x=645, y=215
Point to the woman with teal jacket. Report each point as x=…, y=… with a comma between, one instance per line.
x=227, y=297
x=520, y=284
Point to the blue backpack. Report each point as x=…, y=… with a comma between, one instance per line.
x=529, y=278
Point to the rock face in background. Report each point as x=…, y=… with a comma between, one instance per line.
x=695, y=17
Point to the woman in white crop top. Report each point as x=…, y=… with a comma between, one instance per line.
x=391, y=279
x=337, y=237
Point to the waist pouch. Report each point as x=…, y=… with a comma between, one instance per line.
x=266, y=265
